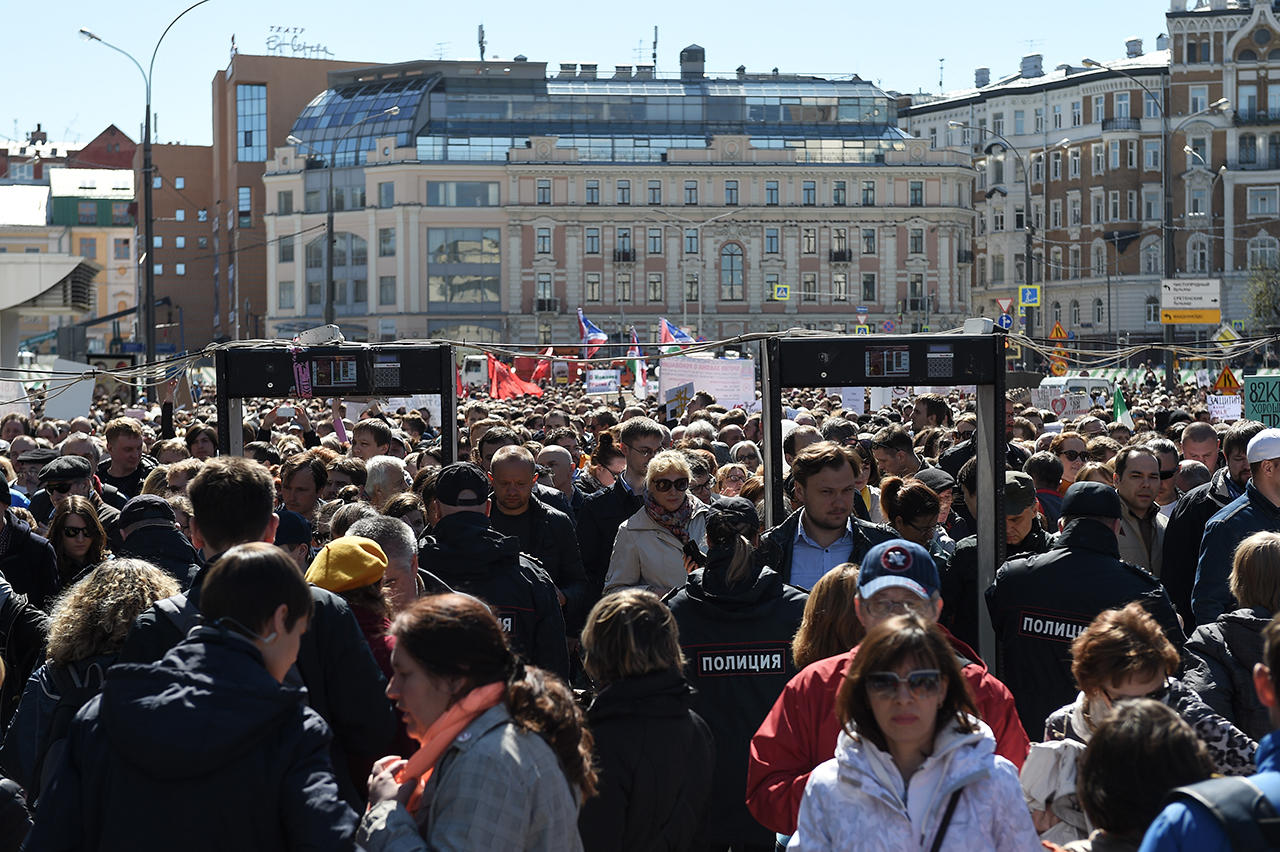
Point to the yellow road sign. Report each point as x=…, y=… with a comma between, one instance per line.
x=1058, y=333
x=1227, y=382
x=1190, y=317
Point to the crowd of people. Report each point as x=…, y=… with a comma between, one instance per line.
x=583, y=634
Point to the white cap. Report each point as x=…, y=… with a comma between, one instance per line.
x=1265, y=445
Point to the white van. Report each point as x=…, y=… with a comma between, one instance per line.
x=1097, y=388
x=475, y=371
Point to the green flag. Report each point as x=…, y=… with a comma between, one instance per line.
x=1120, y=411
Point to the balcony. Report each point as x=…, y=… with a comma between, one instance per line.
x=1247, y=117
x=546, y=306
x=1109, y=124
x=624, y=255
x=964, y=256
x=840, y=256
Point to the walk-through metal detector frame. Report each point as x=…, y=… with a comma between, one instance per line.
x=943, y=360
x=269, y=368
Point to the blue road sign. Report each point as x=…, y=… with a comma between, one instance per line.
x=1005, y=321
x=888, y=326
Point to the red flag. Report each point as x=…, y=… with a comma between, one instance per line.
x=544, y=367
x=504, y=383
x=457, y=380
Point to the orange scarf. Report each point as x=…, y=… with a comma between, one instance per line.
x=442, y=732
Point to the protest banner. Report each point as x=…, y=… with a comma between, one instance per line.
x=1262, y=399
x=731, y=381
x=1224, y=409
x=603, y=381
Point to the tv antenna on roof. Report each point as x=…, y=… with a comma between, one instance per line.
x=440, y=49
x=941, y=62
x=654, y=56
x=480, y=38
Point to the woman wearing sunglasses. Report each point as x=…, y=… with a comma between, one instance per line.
x=1071, y=450
x=1125, y=654
x=915, y=768
x=77, y=537
x=649, y=549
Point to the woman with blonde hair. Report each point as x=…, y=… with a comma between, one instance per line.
x=830, y=625
x=1223, y=653
x=157, y=481
x=730, y=478
x=649, y=549
x=654, y=752
x=86, y=632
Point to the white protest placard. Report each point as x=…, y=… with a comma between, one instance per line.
x=851, y=399
x=427, y=403
x=1224, y=409
x=13, y=399
x=603, y=381
x=1203, y=379
x=879, y=398
x=731, y=381
x=73, y=400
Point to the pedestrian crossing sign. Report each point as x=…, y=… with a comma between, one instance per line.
x=1029, y=296
x=862, y=329
x=781, y=292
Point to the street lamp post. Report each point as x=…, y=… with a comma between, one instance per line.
x=330, y=160
x=146, y=310
x=1028, y=275
x=1166, y=221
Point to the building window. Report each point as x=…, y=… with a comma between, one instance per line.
x=1264, y=252
x=89, y=247
x=157, y=182
x=542, y=241
x=1197, y=201
x=1198, y=254
x=1073, y=163
x=1055, y=165
x=840, y=243
x=868, y=240
x=623, y=192
x=916, y=193
x=868, y=193
x=771, y=193
x=592, y=281
x=624, y=287
x=997, y=123
x=285, y=295
x=731, y=193
x=284, y=250
x=1055, y=213
x=244, y=206
x=1132, y=206
x=1098, y=204
x=543, y=290
x=386, y=194
x=157, y=241
x=809, y=193
x=202, y=215
x=120, y=213
x=1057, y=312
x=655, y=241
x=202, y=242
x=1262, y=201
x=1151, y=154
x=1248, y=149
x=655, y=287
x=544, y=333
x=1057, y=116
x=1151, y=258
x=839, y=287
x=808, y=287
x=1055, y=264
x=624, y=239
x=771, y=282
x=1075, y=312
x=1098, y=260
x=997, y=219
x=655, y=192
x=386, y=242
x=87, y=212
x=690, y=192
x=1038, y=121
x=251, y=123
x=731, y=273
x=1099, y=108
x=464, y=265
x=120, y=248
x=690, y=240
x=157, y=268
x=1150, y=105
x=1198, y=98
x=179, y=269
x=1077, y=113
x=284, y=202
x=1037, y=168
x=1122, y=104
x=1073, y=211
x=915, y=241
x=692, y=287
x=809, y=241
x=593, y=192
x=869, y=287
x=770, y=240
x=592, y=243
x=542, y=192
x=386, y=290
x=1098, y=152
x=839, y=193
x=997, y=269
x=1073, y=262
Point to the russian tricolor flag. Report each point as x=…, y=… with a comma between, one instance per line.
x=592, y=336
x=672, y=334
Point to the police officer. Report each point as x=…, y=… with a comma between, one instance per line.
x=1040, y=603
x=464, y=552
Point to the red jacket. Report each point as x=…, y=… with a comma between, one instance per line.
x=801, y=730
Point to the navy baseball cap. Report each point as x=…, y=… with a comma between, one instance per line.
x=898, y=563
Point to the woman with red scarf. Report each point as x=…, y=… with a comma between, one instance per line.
x=503, y=759
x=649, y=550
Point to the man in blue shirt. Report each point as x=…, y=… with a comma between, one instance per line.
x=1186, y=825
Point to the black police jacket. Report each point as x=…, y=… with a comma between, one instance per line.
x=1182, y=540
x=776, y=545
x=960, y=581
x=737, y=641
x=472, y=558
x=1039, y=604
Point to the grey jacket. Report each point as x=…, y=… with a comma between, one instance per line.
x=497, y=787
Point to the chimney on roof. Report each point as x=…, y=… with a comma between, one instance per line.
x=587, y=71
x=568, y=70
x=981, y=77
x=742, y=72
x=1162, y=42
x=644, y=72
x=38, y=136
x=1032, y=66
x=622, y=72
x=1133, y=47
x=520, y=57
x=693, y=63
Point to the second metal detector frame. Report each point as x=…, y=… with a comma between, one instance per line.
x=944, y=360
x=273, y=369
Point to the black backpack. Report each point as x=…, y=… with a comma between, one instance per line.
x=74, y=689
x=1240, y=808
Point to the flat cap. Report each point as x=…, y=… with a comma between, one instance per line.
x=1091, y=498
x=1019, y=492
x=66, y=469
x=147, y=507
x=40, y=455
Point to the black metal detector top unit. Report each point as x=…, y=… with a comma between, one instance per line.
x=898, y=361
x=274, y=369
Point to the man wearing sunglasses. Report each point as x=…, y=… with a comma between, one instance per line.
x=1139, y=479
x=801, y=730
x=72, y=476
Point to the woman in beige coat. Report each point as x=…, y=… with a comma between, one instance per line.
x=649, y=550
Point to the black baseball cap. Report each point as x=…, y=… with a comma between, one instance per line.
x=1091, y=498
x=147, y=508
x=459, y=478
x=292, y=529
x=740, y=512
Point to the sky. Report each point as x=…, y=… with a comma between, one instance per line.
x=75, y=88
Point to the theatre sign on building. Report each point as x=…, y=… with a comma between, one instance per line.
x=499, y=198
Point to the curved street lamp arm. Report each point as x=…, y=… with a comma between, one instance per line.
x=165, y=33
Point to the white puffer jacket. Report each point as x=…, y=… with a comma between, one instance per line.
x=857, y=800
